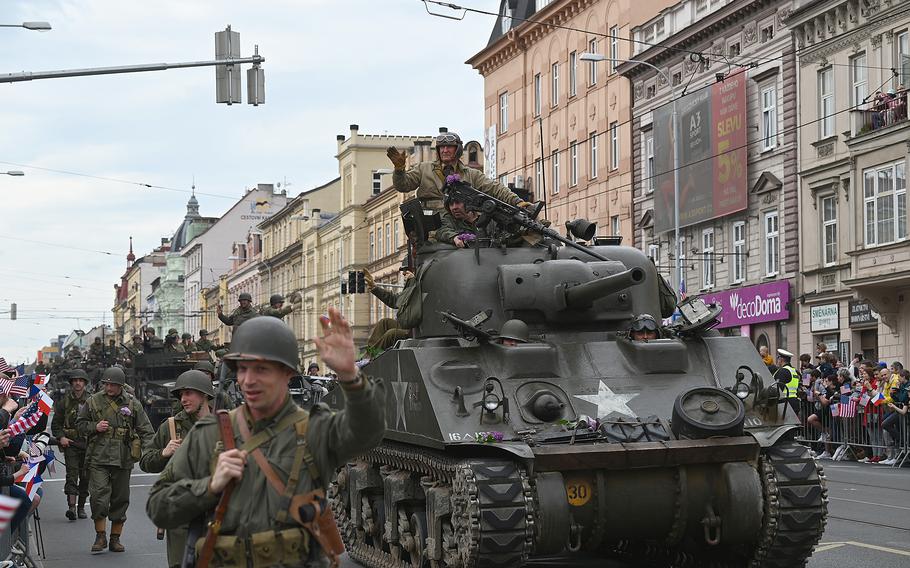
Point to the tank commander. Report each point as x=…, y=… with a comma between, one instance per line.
x=388, y=331
x=428, y=178
x=643, y=328
x=265, y=519
x=512, y=333
x=240, y=314
x=276, y=307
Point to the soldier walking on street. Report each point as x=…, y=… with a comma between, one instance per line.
x=117, y=429
x=240, y=314
x=194, y=392
x=264, y=519
x=222, y=400
x=275, y=307
x=63, y=427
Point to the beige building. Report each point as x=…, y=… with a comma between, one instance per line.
x=853, y=160
x=129, y=310
x=557, y=125
x=212, y=297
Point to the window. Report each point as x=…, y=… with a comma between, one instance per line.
x=903, y=58
x=614, y=225
x=395, y=240
x=504, y=180
x=885, y=204
x=701, y=6
x=826, y=102
x=377, y=183
x=649, y=163
x=554, y=84
x=372, y=247
x=503, y=112
x=554, y=160
x=707, y=265
x=858, y=77
x=614, y=48
x=537, y=94
x=538, y=174
x=573, y=74
x=767, y=33
x=573, y=164
x=772, y=238
x=592, y=48
x=614, y=146
x=593, y=155
x=829, y=229
x=769, y=118
x=733, y=49
x=388, y=239
x=739, y=251
x=677, y=79
x=379, y=242
x=505, y=18
x=654, y=253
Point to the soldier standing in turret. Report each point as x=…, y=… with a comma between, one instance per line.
x=193, y=390
x=63, y=427
x=276, y=307
x=240, y=314
x=117, y=429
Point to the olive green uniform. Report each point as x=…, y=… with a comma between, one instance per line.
x=109, y=454
x=153, y=462
x=238, y=316
x=63, y=424
x=189, y=347
x=451, y=227
x=428, y=179
x=205, y=345
x=276, y=312
x=174, y=348
x=221, y=402
x=332, y=438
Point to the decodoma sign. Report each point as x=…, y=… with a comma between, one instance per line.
x=752, y=304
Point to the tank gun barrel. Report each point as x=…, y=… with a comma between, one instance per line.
x=583, y=295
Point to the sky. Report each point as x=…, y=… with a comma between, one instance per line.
x=385, y=65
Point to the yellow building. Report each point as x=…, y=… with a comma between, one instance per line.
x=212, y=297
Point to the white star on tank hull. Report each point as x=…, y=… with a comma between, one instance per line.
x=608, y=401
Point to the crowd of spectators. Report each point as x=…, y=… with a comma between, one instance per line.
x=888, y=107
x=857, y=410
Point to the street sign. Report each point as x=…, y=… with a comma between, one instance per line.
x=227, y=77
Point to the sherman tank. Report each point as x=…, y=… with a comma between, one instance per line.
x=581, y=441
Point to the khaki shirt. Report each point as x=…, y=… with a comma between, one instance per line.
x=238, y=316
x=66, y=411
x=181, y=493
x=152, y=461
x=112, y=448
x=427, y=178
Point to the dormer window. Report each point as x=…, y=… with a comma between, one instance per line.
x=505, y=16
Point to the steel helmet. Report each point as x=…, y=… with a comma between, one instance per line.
x=193, y=380
x=113, y=375
x=203, y=332
x=172, y=331
x=77, y=374
x=450, y=139
x=205, y=366
x=245, y=296
x=515, y=330
x=276, y=299
x=186, y=336
x=644, y=322
x=264, y=339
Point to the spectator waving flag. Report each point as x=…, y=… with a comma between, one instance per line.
x=15, y=388
x=8, y=506
x=44, y=401
x=31, y=481
x=40, y=381
x=5, y=368
x=878, y=399
x=27, y=421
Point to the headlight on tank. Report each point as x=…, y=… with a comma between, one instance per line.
x=491, y=402
x=742, y=391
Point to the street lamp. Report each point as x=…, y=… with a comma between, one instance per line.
x=17, y=173
x=677, y=272
x=35, y=26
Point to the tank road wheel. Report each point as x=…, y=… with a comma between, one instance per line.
x=413, y=537
x=795, y=507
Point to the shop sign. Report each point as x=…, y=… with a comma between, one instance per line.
x=752, y=304
x=825, y=317
x=861, y=313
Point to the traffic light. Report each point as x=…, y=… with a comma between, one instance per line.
x=12, y=311
x=361, y=282
x=344, y=288
x=352, y=282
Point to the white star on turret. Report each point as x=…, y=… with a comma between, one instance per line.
x=608, y=401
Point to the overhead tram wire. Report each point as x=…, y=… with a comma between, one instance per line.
x=707, y=55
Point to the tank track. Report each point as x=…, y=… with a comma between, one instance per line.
x=492, y=522
x=795, y=508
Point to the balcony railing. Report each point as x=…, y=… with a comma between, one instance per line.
x=869, y=120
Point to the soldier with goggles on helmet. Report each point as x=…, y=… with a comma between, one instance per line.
x=643, y=328
x=429, y=178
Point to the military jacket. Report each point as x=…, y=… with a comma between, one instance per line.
x=112, y=448
x=205, y=345
x=181, y=493
x=452, y=227
x=238, y=316
x=174, y=348
x=66, y=412
x=221, y=402
x=428, y=179
x=189, y=347
x=276, y=312
x=152, y=461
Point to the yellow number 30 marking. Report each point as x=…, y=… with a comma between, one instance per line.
x=578, y=491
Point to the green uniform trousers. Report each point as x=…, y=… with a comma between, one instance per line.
x=176, y=546
x=386, y=333
x=109, y=492
x=76, y=473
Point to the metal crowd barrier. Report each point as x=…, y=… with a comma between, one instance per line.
x=869, y=432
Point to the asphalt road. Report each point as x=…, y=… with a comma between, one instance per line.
x=869, y=525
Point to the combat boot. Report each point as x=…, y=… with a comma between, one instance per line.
x=116, y=531
x=71, y=512
x=100, y=536
x=80, y=509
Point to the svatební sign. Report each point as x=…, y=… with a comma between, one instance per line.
x=825, y=317
x=752, y=304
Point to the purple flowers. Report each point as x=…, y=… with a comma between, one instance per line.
x=491, y=438
x=126, y=411
x=467, y=237
x=453, y=179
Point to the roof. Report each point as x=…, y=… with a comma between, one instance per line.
x=522, y=9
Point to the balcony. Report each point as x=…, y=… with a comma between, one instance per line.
x=867, y=121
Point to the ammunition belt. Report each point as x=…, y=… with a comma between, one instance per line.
x=267, y=548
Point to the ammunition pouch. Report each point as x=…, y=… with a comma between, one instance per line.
x=260, y=550
x=71, y=433
x=135, y=447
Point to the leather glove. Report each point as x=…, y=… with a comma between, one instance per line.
x=524, y=204
x=398, y=159
x=368, y=279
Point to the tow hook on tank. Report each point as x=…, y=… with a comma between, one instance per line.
x=711, y=524
x=574, y=544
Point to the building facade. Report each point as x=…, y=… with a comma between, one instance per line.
x=853, y=161
x=556, y=124
x=729, y=65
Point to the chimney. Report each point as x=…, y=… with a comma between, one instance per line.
x=270, y=187
x=443, y=129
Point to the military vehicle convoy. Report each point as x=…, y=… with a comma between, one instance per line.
x=676, y=451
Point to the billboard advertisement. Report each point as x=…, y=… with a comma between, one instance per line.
x=752, y=304
x=712, y=155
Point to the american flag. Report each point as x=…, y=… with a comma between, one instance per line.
x=8, y=506
x=4, y=367
x=27, y=421
x=848, y=409
x=15, y=388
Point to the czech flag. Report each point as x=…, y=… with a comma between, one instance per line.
x=878, y=399
x=40, y=381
